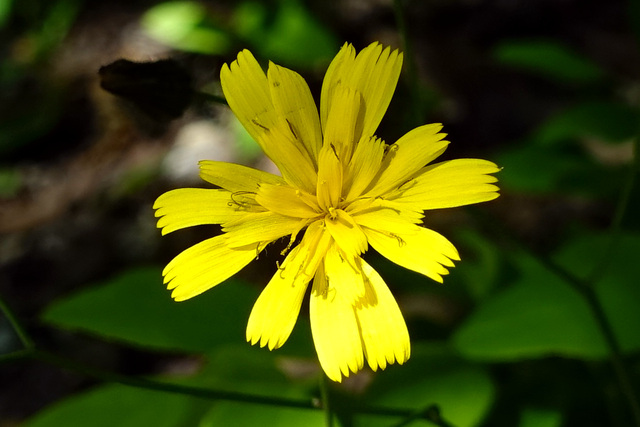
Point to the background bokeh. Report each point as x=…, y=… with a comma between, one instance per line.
x=547, y=89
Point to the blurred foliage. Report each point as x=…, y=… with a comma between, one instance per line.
x=517, y=347
x=196, y=325
x=550, y=59
x=185, y=25
x=463, y=392
x=112, y=405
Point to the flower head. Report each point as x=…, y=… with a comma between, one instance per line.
x=341, y=190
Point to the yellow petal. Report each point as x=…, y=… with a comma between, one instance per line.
x=388, y=216
x=288, y=201
x=187, y=207
x=339, y=66
x=373, y=73
x=275, y=312
x=423, y=251
x=449, y=184
x=346, y=232
x=235, y=178
x=384, y=332
x=292, y=100
x=205, y=265
x=292, y=159
x=365, y=164
x=246, y=89
x=344, y=274
x=344, y=124
x=407, y=156
x=334, y=325
x=329, y=185
x=258, y=227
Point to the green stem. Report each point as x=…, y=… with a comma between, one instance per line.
x=616, y=223
x=585, y=287
x=326, y=402
x=205, y=393
x=20, y=331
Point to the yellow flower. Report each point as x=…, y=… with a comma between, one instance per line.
x=341, y=190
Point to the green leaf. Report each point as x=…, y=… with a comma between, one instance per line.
x=481, y=266
x=237, y=414
x=433, y=376
x=135, y=307
x=537, y=316
x=618, y=288
x=531, y=169
x=250, y=369
x=607, y=122
x=550, y=59
x=185, y=25
x=540, y=315
x=10, y=182
x=292, y=35
x=115, y=405
x=255, y=371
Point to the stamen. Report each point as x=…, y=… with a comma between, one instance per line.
x=332, y=213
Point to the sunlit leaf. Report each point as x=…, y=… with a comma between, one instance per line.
x=540, y=315
x=237, y=414
x=135, y=307
x=550, y=59
x=433, y=376
x=184, y=25
x=115, y=405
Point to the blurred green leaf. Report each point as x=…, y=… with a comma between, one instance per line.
x=289, y=34
x=185, y=25
x=248, y=148
x=57, y=24
x=135, y=307
x=10, y=181
x=237, y=414
x=5, y=11
x=27, y=120
x=550, y=59
x=532, y=417
x=608, y=122
x=115, y=405
x=618, y=289
x=433, y=376
x=527, y=168
x=540, y=315
x=481, y=266
x=250, y=369
x=537, y=316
